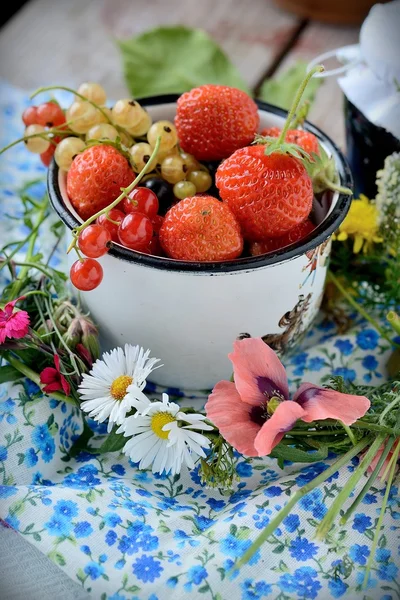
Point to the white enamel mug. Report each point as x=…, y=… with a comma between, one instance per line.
x=190, y=313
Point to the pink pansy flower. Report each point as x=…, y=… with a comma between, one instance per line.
x=384, y=470
x=54, y=379
x=13, y=325
x=254, y=413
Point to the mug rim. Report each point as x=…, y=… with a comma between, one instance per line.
x=311, y=241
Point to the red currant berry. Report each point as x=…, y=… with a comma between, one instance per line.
x=94, y=240
x=144, y=201
x=29, y=116
x=157, y=221
x=47, y=156
x=155, y=246
x=135, y=231
x=114, y=215
x=49, y=114
x=86, y=274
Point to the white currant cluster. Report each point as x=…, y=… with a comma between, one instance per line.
x=88, y=120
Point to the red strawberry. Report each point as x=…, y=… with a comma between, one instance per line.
x=302, y=138
x=215, y=120
x=201, y=228
x=294, y=235
x=268, y=194
x=96, y=177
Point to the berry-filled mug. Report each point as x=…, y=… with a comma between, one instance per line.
x=189, y=313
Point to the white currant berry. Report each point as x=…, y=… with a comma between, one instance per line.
x=126, y=139
x=37, y=145
x=127, y=113
x=184, y=189
x=173, y=169
x=103, y=131
x=140, y=154
x=142, y=127
x=81, y=116
x=66, y=151
x=92, y=91
x=105, y=115
x=166, y=131
x=190, y=161
x=201, y=179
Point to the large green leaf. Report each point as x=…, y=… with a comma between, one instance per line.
x=281, y=90
x=284, y=452
x=175, y=59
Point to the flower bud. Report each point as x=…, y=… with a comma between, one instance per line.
x=73, y=334
x=90, y=337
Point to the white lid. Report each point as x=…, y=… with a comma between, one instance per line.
x=371, y=79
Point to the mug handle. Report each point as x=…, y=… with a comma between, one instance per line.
x=351, y=54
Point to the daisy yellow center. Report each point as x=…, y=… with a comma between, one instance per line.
x=158, y=421
x=119, y=387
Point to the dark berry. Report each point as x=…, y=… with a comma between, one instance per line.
x=164, y=192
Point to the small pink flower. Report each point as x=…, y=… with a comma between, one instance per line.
x=54, y=379
x=254, y=413
x=383, y=471
x=13, y=325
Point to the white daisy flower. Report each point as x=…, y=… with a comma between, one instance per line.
x=163, y=436
x=115, y=382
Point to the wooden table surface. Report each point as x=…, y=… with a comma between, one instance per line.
x=70, y=41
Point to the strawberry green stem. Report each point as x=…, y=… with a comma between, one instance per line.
x=370, y=481
x=333, y=186
x=124, y=193
x=296, y=101
x=393, y=465
x=326, y=523
x=285, y=511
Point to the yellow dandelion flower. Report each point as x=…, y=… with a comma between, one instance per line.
x=361, y=225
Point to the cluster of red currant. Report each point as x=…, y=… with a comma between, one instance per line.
x=136, y=226
x=43, y=123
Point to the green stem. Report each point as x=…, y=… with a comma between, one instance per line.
x=35, y=377
x=32, y=265
x=359, y=308
x=326, y=523
x=381, y=514
x=334, y=186
x=42, y=134
x=370, y=481
x=296, y=101
x=349, y=433
x=31, y=247
x=394, y=320
x=67, y=89
x=388, y=408
x=381, y=428
x=123, y=194
x=283, y=513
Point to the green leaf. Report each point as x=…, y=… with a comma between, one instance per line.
x=176, y=59
x=293, y=454
x=36, y=537
x=132, y=589
x=278, y=549
x=58, y=558
x=204, y=588
x=282, y=89
x=80, y=575
x=113, y=443
x=8, y=373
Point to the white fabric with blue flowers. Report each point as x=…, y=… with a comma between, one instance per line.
x=122, y=533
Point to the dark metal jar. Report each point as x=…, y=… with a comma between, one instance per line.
x=367, y=147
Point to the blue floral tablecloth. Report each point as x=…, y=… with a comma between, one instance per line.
x=123, y=533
